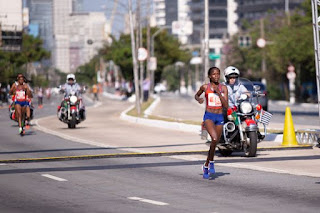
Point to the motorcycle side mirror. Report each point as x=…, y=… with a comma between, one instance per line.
x=256, y=87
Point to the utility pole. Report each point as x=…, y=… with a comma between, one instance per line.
x=148, y=48
x=140, y=45
x=287, y=10
x=316, y=39
x=134, y=59
x=263, y=62
x=206, y=37
x=148, y=39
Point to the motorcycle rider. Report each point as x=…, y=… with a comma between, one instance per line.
x=216, y=96
x=235, y=88
x=21, y=92
x=67, y=88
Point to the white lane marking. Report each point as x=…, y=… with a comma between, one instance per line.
x=53, y=177
x=2, y=164
x=148, y=201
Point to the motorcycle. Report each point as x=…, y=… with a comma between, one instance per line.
x=71, y=112
x=241, y=129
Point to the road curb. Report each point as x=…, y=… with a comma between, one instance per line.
x=136, y=154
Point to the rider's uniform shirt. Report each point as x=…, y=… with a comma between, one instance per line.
x=234, y=92
x=68, y=88
x=212, y=98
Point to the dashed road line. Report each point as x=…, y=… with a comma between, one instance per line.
x=53, y=177
x=154, y=202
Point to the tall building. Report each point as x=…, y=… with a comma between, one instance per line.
x=253, y=10
x=77, y=6
x=88, y=32
x=221, y=18
x=171, y=11
x=160, y=12
x=222, y=24
x=61, y=12
x=40, y=17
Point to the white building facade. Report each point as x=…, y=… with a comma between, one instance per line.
x=77, y=36
x=87, y=34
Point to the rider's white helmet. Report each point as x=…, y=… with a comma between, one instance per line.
x=231, y=72
x=71, y=76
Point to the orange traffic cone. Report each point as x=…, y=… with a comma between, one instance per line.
x=289, y=135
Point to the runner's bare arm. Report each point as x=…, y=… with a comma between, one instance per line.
x=198, y=94
x=224, y=99
x=12, y=89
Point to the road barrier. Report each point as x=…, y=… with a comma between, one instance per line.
x=308, y=136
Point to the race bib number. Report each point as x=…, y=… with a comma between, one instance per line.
x=20, y=95
x=214, y=100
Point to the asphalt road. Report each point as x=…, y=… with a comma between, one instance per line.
x=152, y=184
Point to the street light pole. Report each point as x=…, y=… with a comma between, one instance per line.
x=263, y=62
x=287, y=11
x=206, y=37
x=134, y=59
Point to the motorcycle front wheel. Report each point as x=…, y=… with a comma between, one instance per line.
x=251, y=148
x=72, y=122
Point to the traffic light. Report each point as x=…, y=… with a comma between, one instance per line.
x=244, y=41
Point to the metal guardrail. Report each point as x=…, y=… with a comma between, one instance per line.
x=308, y=136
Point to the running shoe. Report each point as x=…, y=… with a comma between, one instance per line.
x=27, y=124
x=205, y=172
x=211, y=167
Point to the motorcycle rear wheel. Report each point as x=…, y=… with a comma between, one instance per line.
x=251, y=148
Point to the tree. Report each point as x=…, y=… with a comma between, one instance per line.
x=11, y=62
x=167, y=50
x=290, y=44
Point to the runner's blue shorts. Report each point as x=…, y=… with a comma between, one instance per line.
x=21, y=103
x=217, y=119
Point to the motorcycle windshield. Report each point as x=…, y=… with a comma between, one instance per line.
x=253, y=99
x=242, y=87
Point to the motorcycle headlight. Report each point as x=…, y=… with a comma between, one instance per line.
x=73, y=99
x=245, y=107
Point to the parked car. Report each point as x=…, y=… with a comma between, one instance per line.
x=159, y=88
x=263, y=100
